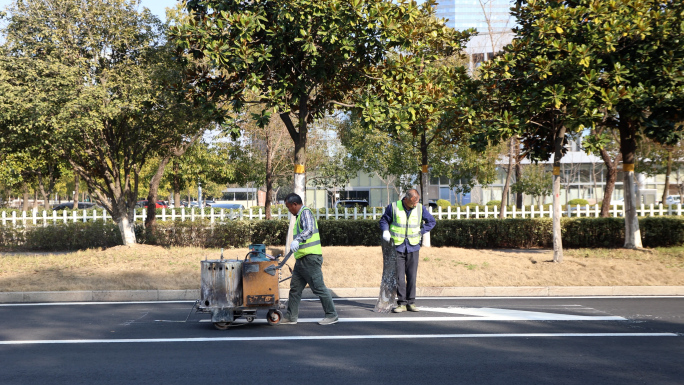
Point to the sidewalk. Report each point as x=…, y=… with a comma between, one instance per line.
x=359, y=292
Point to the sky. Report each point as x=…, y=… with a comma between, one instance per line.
x=157, y=7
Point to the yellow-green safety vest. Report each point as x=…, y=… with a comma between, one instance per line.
x=402, y=227
x=311, y=245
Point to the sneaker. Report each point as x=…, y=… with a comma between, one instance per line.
x=328, y=321
x=287, y=321
x=412, y=307
x=399, y=309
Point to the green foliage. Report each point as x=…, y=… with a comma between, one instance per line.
x=470, y=233
x=578, y=201
x=106, y=92
x=492, y=233
x=494, y=203
x=443, y=203
x=535, y=181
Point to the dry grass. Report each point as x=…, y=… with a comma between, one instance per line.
x=150, y=267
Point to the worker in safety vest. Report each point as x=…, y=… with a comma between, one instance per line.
x=308, y=254
x=405, y=222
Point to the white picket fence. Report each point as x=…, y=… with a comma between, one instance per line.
x=37, y=218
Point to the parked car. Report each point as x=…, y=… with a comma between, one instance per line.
x=70, y=206
x=349, y=203
x=672, y=200
x=143, y=204
x=432, y=204
x=231, y=206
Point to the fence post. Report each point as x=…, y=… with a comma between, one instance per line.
x=4, y=218
x=458, y=212
x=365, y=212
x=14, y=218
x=211, y=215
x=355, y=212
x=449, y=212
x=513, y=212
x=467, y=212
x=192, y=214
x=164, y=214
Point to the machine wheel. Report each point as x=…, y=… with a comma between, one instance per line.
x=221, y=325
x=250, y=318
x=274, y=316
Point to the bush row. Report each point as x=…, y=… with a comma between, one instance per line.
x=478, y=233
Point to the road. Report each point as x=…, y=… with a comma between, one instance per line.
x=451, y=341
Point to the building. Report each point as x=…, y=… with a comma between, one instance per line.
x=491, y=19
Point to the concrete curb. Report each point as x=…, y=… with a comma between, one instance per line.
x=364, y=292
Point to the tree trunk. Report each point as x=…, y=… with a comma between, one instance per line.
x=628, y=149
x=424, y=181
x=25, y=196
x=509, y=172
x=666, y=191
x=151, y=219
x=77, y=182
x=558, y=154
x=611, y=178
x=44, y=193
x=35, y=200
x=127, y=232
x=176, y=185
x=299, y=139
x=518, y=174
x=269, y=179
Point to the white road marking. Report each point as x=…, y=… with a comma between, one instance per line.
x=469, y=314
x=517, y=315
x=348, y=337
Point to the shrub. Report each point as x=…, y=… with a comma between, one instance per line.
x=494, y=203
x=470, y=233
x=443, y=203
x=581, y=202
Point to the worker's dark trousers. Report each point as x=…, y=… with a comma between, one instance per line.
x=407, y=270
x=308, y=270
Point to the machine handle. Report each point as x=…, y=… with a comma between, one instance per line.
x=282, y=263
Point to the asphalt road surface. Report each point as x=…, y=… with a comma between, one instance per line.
x=450, y=341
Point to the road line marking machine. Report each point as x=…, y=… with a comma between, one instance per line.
x=232, y=288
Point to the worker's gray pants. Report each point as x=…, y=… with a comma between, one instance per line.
x=407, y=270
x=307, y=270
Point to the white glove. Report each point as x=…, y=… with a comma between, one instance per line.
x=386, y=235
x=294, y=246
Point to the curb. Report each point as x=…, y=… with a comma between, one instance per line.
x=359, y=292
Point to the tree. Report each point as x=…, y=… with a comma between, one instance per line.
x=603, y=142
x=535, y=181
x=94, y=99
x=533, y=95
x=300, y=57
x=584, y=58
x=633, y=51
x=415, y=91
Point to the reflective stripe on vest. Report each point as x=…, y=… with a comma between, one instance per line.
x=402, y=227
x=311, y=245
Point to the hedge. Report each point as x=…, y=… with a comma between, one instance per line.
x=471, y=233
